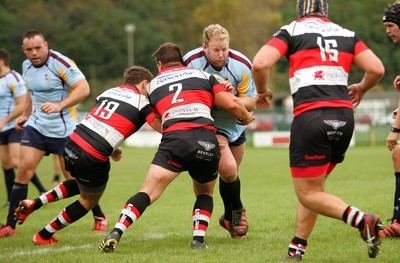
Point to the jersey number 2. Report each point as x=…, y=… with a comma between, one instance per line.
x=178, y=88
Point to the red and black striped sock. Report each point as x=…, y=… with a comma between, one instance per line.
x=353, y=217
x=132, y=210
x=67, y=216
x=297, y=247
x=201, y=215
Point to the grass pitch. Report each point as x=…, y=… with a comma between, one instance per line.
x=164, y=232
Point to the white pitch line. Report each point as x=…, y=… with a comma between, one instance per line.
x=42, y=251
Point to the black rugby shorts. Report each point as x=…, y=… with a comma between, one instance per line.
x=196, y=151
x=320, y=136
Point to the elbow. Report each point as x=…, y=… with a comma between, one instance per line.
x=381, y=73
x=257, y=68
x=233, y=106
x=85, y=92
x=260, y=65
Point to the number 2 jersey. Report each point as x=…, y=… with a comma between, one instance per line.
x=184, y=97
x=320, y=55
x=119, y=112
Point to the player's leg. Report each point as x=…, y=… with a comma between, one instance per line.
x=64, y=190
x=239, y=220
x=393, y=230
x=157, y=179
x=67, y=216
x=57, y=169
x=202, y=211
x=100, y=219
x=8, y=169
x=229, y=188
x=30, y=158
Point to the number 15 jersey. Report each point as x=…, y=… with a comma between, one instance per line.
x=320, y=55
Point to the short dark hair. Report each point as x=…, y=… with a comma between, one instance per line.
x=136, y=74
x=167, y=53
x=32, y=33
x=5, y=56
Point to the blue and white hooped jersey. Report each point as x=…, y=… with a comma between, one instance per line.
x=12, y=86
x=237, y=71
x=50, y=83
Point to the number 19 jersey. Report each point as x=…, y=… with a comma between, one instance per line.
x=118, y=113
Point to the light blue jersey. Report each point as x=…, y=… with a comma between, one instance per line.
x=50, y=83
x=237, y=71
x=12, y=86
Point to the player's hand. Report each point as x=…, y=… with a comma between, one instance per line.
x=2, y=124
x=394, y=113
x=117, y=154
x=355, y=93
x=229, y=87
x=50, y=107
x=263, y=100
x=391, y=140
x=19, y=123
x=396, y=83
x=248, y=120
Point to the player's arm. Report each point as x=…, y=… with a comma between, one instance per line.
x=19, y=108
x=26, y=112
x=234, y=106
x=368, y=62
x=248, y=102
x=246, y=89
x=156, y=124
x=78, y=92
x=263, y=61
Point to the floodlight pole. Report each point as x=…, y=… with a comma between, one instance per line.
x=130, y=30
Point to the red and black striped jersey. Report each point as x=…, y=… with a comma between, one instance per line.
x=320, y=55
x=117, y=114
x=183, y=97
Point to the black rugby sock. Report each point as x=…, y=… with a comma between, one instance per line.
x=19, y=192
x=396, y=207
x=9, y=176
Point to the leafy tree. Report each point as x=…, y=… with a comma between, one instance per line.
x=92, y=31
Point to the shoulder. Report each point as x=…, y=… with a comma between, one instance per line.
x=57, y=57
x=26, y=64
x=193, y=55
x=15, y=76
x=238, y=59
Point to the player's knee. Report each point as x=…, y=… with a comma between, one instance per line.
x=396, y=153
x=228, y=176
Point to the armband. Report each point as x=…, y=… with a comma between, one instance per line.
x=394, y=129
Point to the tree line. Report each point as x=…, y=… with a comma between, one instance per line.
x=92, y=32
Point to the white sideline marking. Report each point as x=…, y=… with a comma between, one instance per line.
x=56, y=249
x=42, y=251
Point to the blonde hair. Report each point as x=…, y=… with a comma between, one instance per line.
x=215, y=31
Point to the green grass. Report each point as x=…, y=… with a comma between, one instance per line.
x=163, y=233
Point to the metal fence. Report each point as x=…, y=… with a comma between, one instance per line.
x=372, y=117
